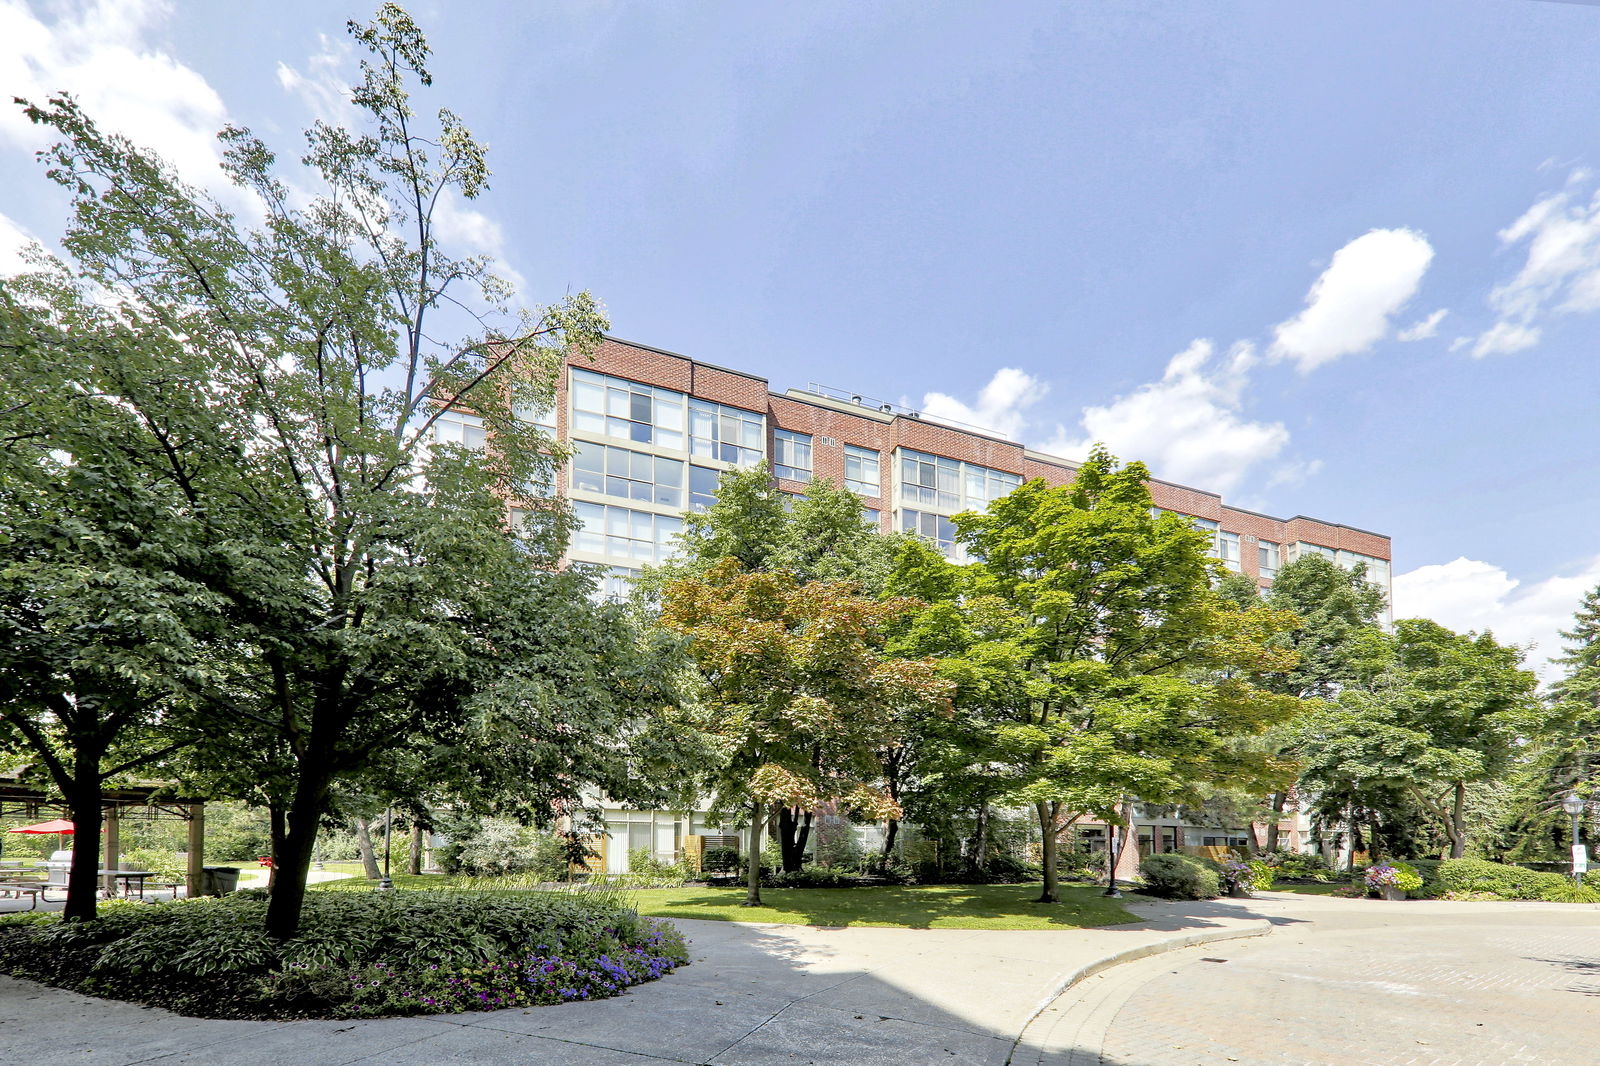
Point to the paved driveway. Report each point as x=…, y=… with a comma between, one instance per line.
x=1351, y=983
x=753, y=995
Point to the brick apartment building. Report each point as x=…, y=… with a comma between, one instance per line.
x=652, y=432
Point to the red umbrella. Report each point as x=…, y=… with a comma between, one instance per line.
x=57, y=826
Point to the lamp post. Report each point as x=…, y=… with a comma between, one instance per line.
x=1573, y=805
x=387, y=884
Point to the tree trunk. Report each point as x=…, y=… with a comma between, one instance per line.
x=980, y=838
x=1278, y=800
x=369, y=857
x=1047, y=827
x=889, y=836
x=83, y=879
x=752, y=896
x=414, y=860
x=1458, y=822
x=301, y=823
x=793, y=834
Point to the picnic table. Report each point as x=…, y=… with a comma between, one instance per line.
x=33, y=887
x=128, y=877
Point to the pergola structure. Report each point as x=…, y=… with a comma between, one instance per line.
x=148, y=801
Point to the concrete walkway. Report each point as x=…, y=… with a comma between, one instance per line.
x=754, y=994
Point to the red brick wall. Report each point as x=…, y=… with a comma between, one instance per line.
x=832, y=429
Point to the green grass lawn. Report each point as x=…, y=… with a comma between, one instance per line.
x=909, y=907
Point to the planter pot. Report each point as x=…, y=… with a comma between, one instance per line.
x=1239, y=892
x=1390, y=892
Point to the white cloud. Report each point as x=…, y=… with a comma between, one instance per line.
x=13, y=240
x=1560, y=275
x=1424, y=328
x=1471, y=594
x=324, y=87
x=102, y=53
x=1000, y=407
x=1188, y=426
x=1350, y=305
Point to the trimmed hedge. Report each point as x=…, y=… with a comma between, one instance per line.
x=355, y=956
x=1447, y=876
x=1178, y=876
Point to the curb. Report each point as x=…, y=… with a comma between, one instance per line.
x=1160, y=947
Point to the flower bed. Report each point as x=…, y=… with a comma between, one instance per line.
x=356, y=956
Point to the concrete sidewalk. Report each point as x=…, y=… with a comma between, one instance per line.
x=754, y=994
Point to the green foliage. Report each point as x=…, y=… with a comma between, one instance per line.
x=1438, y=711
x=168, y=865
x=1178, y=876
x=1457, y=876
x=1297, y=865
x=1093, y=660
x=721, y=861
x=812, y=876
x=644, y=867
x=355, y=955
x=1262, y=876
x=496, y=847
x=1568, y=891
x=1399, y=875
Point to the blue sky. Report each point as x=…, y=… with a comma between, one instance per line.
x=1219, y=236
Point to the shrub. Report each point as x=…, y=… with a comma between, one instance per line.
x=355, y=956
x=721, y=861
x=1454, y=876
x=1179, y=876
x=1294, y=864
x=167, y=865
x=1592, y=879
x=499, y=847
x=812, y=876
x=1569, y=891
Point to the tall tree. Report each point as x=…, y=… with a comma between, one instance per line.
x=1108, y=665
x=364, y=565
x=1335, y=610
x=796, y=680
x=102, y=638
x=1440, y=712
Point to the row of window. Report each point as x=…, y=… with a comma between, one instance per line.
x=950, y=485
x=645, y=414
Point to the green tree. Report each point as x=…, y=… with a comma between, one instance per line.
x=821, y=536
x=795, y=682
x=102, y=637
x=1441, y=711
x=1335, y=610
x=364, y=568
x=1108, y=666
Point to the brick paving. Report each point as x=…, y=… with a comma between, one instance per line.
x=1422, y=989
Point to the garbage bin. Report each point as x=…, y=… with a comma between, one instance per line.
x=218, y=880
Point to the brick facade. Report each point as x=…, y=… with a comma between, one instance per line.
x=832, y=424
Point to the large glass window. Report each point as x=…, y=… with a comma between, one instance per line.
x=949, y=484
x=1302, y=549
x=626, y=410
x=625, y=534
x=702, y=487
x=861, y=474
x=616, y=583
x=458, y=427
x=1267, y=555
x=727, y=434
x=542, y=415
x=1228, y=550
x=934, y=527
x=1377, y=569
x=628, y=475
x=791, y=455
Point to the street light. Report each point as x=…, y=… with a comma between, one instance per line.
x=1573, y=805
x=387, y=884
